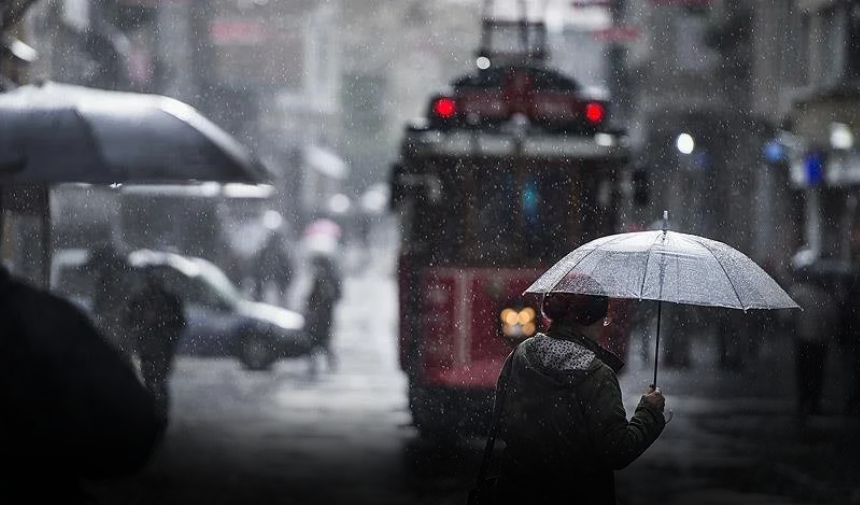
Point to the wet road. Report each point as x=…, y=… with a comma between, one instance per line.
x=285, y=437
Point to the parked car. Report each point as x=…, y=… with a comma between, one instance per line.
x=220, y=320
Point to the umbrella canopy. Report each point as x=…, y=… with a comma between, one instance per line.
x=53, y=133
x=665, y=266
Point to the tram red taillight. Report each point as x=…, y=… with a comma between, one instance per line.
x=595, y=112
x=475, y=107
x=445, y=107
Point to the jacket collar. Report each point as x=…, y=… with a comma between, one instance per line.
x=565, y=332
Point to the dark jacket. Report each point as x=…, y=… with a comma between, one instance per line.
x=73, y=408
x=564, y=423
x=324, y=294
x=156, y=317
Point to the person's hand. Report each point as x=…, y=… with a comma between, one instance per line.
x=655, y=398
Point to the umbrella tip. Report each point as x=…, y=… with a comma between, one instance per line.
x=665, y=221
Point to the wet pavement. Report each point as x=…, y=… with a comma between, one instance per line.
x=735, y=437
x=285, y=437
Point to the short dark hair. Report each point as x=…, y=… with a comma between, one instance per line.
x=575, y=308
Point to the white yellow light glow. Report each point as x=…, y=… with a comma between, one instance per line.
x=526, y=315
x=685, y=143
x=509, y=316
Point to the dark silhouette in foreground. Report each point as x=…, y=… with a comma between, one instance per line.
x=74, y=412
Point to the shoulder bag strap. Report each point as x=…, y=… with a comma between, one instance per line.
x=501, y=394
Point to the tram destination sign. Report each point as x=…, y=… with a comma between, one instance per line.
x=466, y=143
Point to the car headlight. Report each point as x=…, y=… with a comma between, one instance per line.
x=518, y=322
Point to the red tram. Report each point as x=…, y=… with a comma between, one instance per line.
x=510, y=170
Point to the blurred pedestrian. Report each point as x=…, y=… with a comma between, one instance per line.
x=675, y=338
x=273, y=266
x=74, y=412
x=156, y=318
x=813, y=331
x=563, y=419
x=734, y=334
x=110, y=290
x=849, y=330
x=324, y=295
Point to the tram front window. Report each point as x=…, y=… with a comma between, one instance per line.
x=493, y=216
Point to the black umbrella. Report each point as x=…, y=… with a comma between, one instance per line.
x=53, y=133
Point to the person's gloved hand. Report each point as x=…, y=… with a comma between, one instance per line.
x=655, y=398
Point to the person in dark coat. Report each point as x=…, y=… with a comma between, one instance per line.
x=156, y=319
x=110, y=288
x=813, y=335
x=324, y=295
x=273, y=265
x=848, y=330
x=563, y=420
x=74, y=411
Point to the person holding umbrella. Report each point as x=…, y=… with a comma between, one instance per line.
x=558, y=400
x=563, y=420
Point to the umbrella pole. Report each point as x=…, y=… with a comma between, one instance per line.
x=657, y=342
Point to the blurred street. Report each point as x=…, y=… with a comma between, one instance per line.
x=345, y=437
x=251, y=167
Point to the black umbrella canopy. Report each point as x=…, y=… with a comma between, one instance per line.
x=54, y=133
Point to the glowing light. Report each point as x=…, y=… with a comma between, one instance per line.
x=604, y=140
x=510, y=317
x=841, y=136
x=685, y=143
x=339, y=203
x=594, y=112
x=445, y=107
x=526, y=315
x=483, y=63
x=272, y=219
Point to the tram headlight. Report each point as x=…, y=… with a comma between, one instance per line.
x=518, y=322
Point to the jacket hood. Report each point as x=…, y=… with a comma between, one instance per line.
x=561, y=355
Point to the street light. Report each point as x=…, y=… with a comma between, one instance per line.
x=685, y=143
x=841, y=137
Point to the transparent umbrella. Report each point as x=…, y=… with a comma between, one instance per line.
x=665, y=266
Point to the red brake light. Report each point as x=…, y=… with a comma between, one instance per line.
x=594, y=112
x=445, y=107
